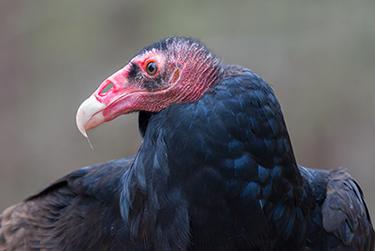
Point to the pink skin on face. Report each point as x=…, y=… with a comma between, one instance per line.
x=188, y=75
x=116, y=96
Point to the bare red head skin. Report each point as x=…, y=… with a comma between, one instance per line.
x=174, y=70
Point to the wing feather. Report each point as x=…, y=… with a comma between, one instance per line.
x=345, y=214
x=66, y=211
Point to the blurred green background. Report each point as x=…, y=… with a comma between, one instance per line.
x=318, y=55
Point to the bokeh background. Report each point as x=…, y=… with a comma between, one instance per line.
x=318, y=55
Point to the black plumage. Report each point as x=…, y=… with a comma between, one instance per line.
x=215, y=174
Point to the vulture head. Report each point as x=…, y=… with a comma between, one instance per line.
x=171, y=71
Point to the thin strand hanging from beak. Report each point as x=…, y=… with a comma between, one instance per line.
x=89, y=142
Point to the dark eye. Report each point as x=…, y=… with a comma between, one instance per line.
x=151, y=68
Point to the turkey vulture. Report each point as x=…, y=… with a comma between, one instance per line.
x=215, y=171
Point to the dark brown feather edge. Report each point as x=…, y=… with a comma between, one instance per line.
x=345, y=213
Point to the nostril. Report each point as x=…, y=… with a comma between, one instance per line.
x=106, y=88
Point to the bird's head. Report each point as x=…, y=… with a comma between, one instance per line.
x=171, y=71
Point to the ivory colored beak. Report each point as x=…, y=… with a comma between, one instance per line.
x=89, y=115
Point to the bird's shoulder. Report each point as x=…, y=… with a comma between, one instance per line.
x=65, y=205
x=244, y=110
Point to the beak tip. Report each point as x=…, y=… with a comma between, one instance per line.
x=80, y=122
x=83, y=132
x=85, y=113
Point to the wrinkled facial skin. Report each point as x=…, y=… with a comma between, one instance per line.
x=175, y=71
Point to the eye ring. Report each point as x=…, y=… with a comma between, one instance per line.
x=151, y=68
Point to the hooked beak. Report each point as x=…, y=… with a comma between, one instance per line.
x=89, y=115
x=112, y=98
